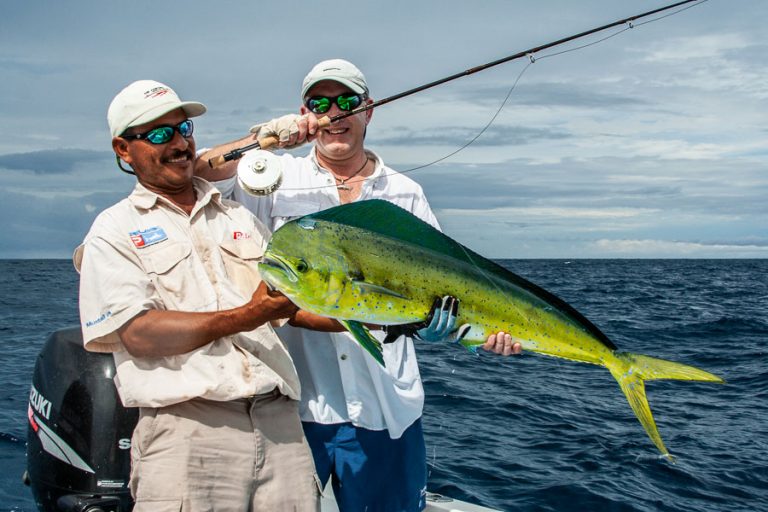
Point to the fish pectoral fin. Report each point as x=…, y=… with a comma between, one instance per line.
x=375, y=288
x=366, y=340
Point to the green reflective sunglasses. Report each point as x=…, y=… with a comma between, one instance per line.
x=322, y=104
x=163, y=134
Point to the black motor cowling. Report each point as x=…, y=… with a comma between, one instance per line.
x=79, y=434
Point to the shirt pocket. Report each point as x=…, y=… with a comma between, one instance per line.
x=170, y=268
x=241, y=258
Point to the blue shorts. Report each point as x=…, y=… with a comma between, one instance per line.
x=369, y=470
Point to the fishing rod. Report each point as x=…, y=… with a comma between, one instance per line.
x=266, y=142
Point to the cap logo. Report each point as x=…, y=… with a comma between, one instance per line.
x=155, y=92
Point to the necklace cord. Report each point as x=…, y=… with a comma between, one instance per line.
x=342, y=181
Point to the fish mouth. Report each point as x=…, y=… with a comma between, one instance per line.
x=274, y=262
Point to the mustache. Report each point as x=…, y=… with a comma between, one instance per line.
x=179, y=153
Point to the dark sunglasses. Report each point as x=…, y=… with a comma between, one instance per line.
x=322, y=104
x=163, y=134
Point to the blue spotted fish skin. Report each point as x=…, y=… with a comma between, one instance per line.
x=418, y=275
x=349, y=264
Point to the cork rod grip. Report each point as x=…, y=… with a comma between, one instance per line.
x=263, y=143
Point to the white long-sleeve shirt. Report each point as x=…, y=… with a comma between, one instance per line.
x=340, y=382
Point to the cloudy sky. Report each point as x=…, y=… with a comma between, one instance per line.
x=652, y=143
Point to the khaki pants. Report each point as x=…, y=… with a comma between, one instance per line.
x=244, y=455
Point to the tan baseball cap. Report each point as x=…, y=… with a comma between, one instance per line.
x=337, y=70
x=144, y=101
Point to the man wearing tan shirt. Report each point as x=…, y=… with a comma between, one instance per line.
x=170, y=286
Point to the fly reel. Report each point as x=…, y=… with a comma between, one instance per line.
x=260, y=172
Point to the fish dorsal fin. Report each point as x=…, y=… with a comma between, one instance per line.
x=388, y=219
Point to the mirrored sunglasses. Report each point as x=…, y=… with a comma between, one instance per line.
x=345, y=102
x=163, y=134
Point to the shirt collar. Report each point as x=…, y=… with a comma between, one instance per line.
x=206, y=193
x=317, y=168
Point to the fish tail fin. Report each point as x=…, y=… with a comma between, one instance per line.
x=632, y=370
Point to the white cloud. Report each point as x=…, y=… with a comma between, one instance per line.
x=539, y=213
x=678, y=149
x=707, y=47
x=653, y=248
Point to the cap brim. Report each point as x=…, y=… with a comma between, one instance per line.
x=191, y=108
x=352, y=85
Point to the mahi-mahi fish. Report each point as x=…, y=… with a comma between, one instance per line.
x=372, y=262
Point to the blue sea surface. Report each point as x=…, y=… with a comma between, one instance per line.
x=533, y=433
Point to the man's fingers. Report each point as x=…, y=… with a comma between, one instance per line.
x=502, y=343
x=312, y=125
x=507, y=348
x=462, y=331
x=445, y=314
x=299, y=131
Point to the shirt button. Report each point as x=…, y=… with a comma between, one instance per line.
x=343, y=357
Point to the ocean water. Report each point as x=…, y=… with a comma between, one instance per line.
x=533, y=433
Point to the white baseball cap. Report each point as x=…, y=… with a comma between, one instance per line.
x=144, y=101
x=337, y=70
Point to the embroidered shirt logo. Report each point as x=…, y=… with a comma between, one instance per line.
x=95, y=321
x=147, y=237
x=239, y=235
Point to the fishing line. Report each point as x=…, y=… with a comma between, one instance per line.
x=586, y=45
x=533, y=59
x=630, y=25
x=483, y=130
x=445, y=157
x=629, y=22
x=673, y=12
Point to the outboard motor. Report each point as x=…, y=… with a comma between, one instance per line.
x=79, y=434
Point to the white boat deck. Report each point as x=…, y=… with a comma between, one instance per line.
x=435, y=503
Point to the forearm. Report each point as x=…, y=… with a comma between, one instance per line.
x=315, y=322
x=226, y=170
x=157, y=333
x=285, y=132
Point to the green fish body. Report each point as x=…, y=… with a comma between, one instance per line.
x=372, y=262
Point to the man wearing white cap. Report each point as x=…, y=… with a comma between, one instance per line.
x=362, y=420
x=168, y=283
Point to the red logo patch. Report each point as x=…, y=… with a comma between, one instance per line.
x=154, y=93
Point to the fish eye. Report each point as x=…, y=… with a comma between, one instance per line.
x=301, y=266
